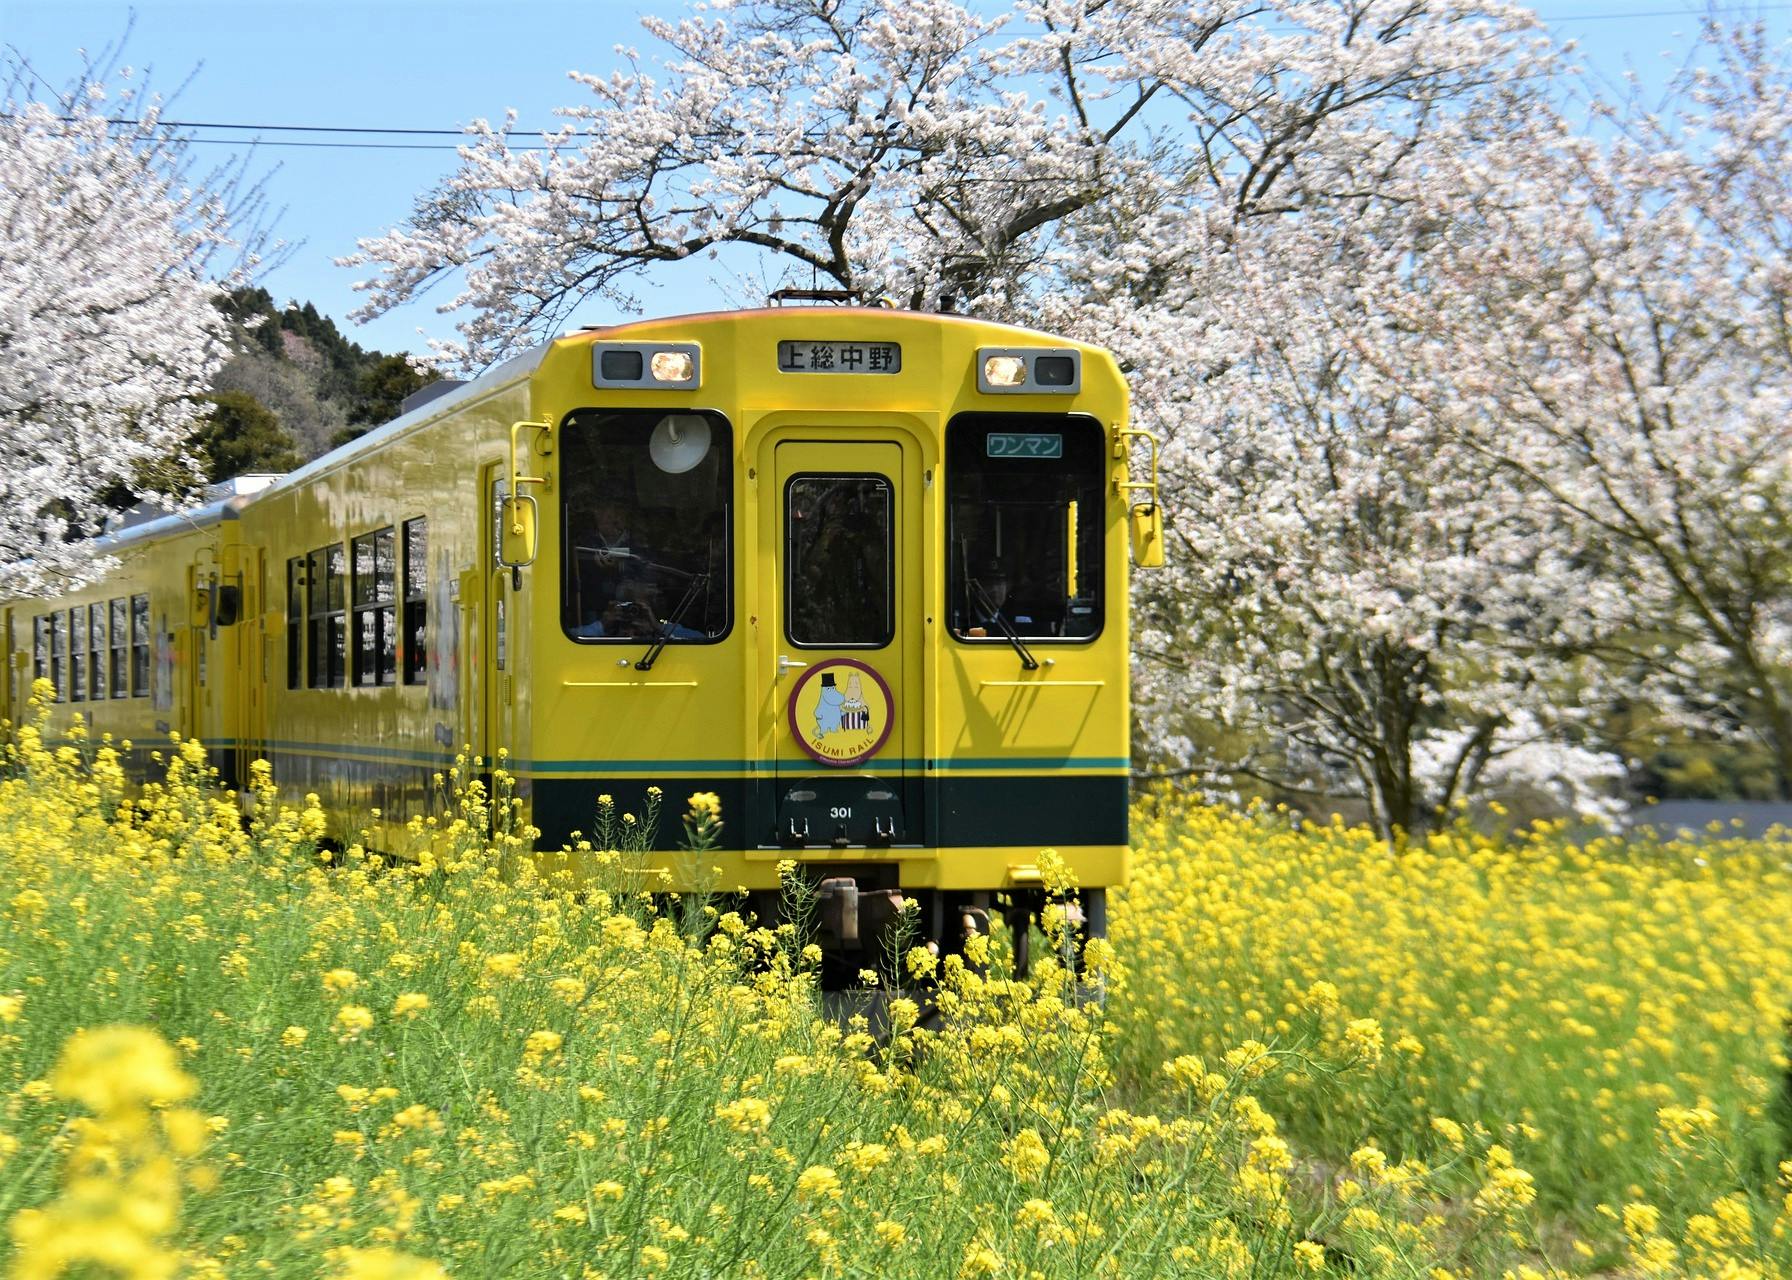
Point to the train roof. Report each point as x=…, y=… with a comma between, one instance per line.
x=526, y=363
x=622, y=329
x=504, y=374
x=223, y=501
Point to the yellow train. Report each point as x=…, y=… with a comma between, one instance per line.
x=861, y=573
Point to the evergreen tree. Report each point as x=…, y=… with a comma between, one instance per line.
x=241, y=435
x=379, y=395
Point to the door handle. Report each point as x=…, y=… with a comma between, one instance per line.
x=785, y=664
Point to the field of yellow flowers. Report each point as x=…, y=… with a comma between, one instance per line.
x=224, y=1052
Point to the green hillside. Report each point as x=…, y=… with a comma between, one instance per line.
x=320, y=388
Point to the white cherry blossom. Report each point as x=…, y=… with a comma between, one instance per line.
x=108, y=332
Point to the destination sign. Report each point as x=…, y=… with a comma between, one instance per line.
x=1023, y=444
x=840, y=357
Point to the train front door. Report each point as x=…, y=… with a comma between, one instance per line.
x=845, y=714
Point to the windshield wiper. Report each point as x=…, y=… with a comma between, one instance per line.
x=1027, y=660
x=698, y=582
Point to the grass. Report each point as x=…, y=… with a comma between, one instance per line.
x=221, y=1054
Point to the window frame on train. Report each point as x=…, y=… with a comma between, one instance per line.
x=296, y=573
x=413, y=636
x=118, y=614
x=141, y=670
x=77, y=653
x=373, y=609
x=326, y=616
x=720, y=568
x=965, y=453
x=796, y=599
x=99, y=651
x=58, y=652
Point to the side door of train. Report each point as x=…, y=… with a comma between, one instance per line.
x=16, y=675
x=840, y=664
x=495, y=706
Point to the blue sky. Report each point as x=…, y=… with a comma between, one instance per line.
x=416, y=64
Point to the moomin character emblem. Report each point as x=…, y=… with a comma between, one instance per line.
x=841, y=712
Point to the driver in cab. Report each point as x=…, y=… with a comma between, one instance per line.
x=989, y=606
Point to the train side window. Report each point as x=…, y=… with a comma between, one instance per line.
x=96, y=636
x=646, y=526
x=838, y=591
x=328, y=641
x=374, y=622
x=416, y=599
x=40, y=648
x=121, y=649
x=77, y=654
x=58, y=632
x=295, y=623
x=1026, y=529
x=140, y=646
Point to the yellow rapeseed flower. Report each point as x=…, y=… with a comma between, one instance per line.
x=745, y=1115
x=1362, y=1037
x=383, y=1264
x=818, y=1182
x=352, y=1020
x=1025, y=1155
x=979, y=1260
x=119, y=1068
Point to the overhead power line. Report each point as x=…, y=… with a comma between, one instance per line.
x=311, y=128
x=1742, y=10
x=288, y=128
x=355, y=146
x=291, y=128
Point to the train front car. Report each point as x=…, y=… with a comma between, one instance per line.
x=860, y=574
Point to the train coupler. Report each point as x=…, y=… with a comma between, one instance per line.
x=853, y=919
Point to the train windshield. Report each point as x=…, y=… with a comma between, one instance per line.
x=1025, y=516
x=645, y=525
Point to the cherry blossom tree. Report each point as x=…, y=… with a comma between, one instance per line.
x=1358, y=604
x=920, y=153
x=1622, y=305
x=108, y=332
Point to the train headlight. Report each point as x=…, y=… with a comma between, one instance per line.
x=1004, y=371
x=674, y=366
x=647, y=366
x=1029, y=371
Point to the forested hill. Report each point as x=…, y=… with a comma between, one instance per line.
x=296, y=388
